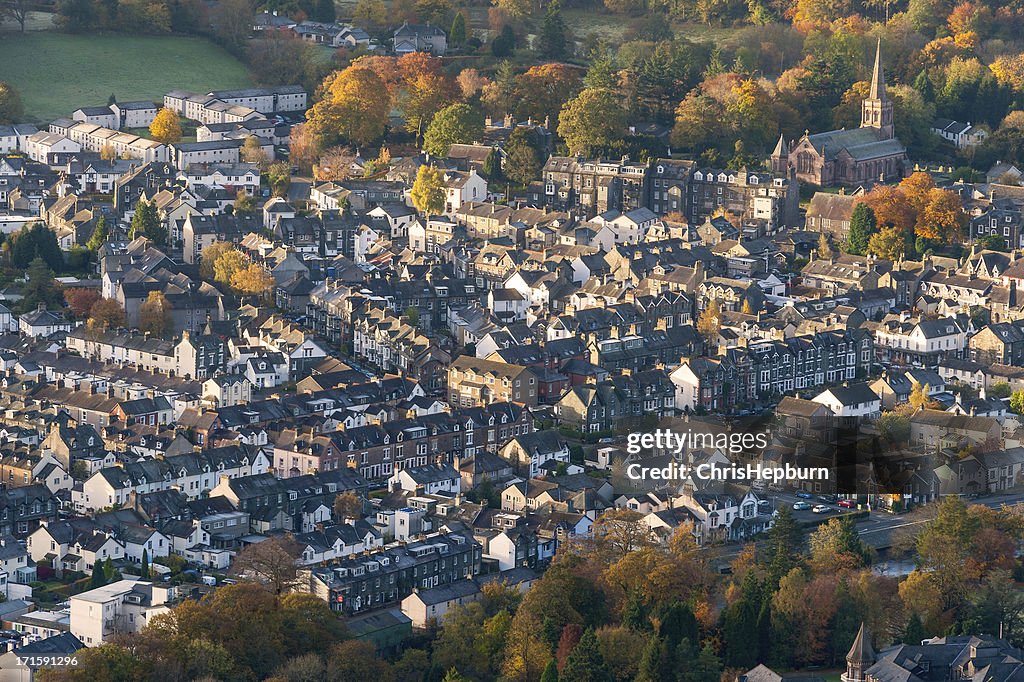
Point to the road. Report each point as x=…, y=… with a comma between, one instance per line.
x=878, y=529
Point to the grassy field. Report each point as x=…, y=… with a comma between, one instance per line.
x=57, y=73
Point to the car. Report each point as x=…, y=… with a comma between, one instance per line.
x=829, y=499
x=801, y=506
x=804, y=495
x=847, y=504
x=821, y=509
x=606, y=440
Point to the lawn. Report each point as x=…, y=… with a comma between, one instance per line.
x=57, y=73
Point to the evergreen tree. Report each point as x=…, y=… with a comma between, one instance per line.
x=145, y=564
x=923, y=84
x=36, y=241
x=325, y=11
x=492, y=165
x=915, y=631
x=98, y=579
x=844, y=624
x=677, y=623
x=146, y=223
x=585, y=663
x=739, y=626
x=655, y=664
x=550, y=672
x=40, y=287
x=109, y=572
x=634, y=613
x=554, y=38
x=111, y=100
x=457, y=34
x=99, y=235
x=504, y=44
x=863, y=225
x=784, y=540
x=707, y=668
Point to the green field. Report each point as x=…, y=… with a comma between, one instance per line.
x=57, y=73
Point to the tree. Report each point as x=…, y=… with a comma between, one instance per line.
x=81, y=300
x=894, y=426
x=99, y=235
x=253, y=280
x=208, y=261
x=428, y=190
x=36, y=241
x=824, y=247
x=457, y=34
x=570, y=637
x=862, y=226
x=325, y=11
x=40, y=287
x=17, y=10
x=245, y=203
x=146, y=223
x=11, y=108
x=491, y=168
x=504, y=44
x=270, y=563
x=412, y=314
x=920, y=397
x=592, y=122
x=544, y=89
x=372, y=14
x=354, y=109
x=522, y=159
x=914, y=633
x=550, y=672
x=942, y=217
x=98, y=579
x=279, y=177
x=144, y=571
x=1017, y=401
x=155, y=315
x=425, y=89
x=889, y=243
x=553, y=42
x=835, y=546
x=585, y=663
x=336, y=164
x=455, y=124
x=784, y=540
x=710, y=323
x=107, y=313
x=232, y=24
x=348, y=506
x=166, y=127
x=252, y=152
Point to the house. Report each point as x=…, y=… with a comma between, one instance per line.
x=530, y=452
x=472, y=381
x=42, y=323
x=430, y=479
x=429, y=607
x=123, y=606
x=961, y=135
x=227, y=390
x=851, y=400
x=937, y=429
x=21, y=663
x=830, y=214
x=462, y=187
x=419, y=38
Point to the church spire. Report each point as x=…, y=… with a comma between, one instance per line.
x=877, y=75
x=780, y=148
x=860, y=657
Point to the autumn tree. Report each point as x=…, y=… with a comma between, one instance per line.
x=428, y=190
x=889, y=243
x=252, y=280
x=425, y=89
x=166, y=127
x=303, y=146
x=252, y=152
x=592, y=122
x=348, y=506
x=107, y=313
x=335, y=164
x=354, y=109
x=824, y=247
x=208, y=259
x=835, y=546
x=544, y=89
x=942, y=218
x=621, y=531
x=455, y=124
x=920, y=397
x=270, y=563
x=709, y=324
x=80, y=300
x=245, y=203
x=373, y=14
x=155, y=315
x=279, y=177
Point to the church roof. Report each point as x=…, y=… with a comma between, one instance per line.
x=861, y=651
x=861, y=143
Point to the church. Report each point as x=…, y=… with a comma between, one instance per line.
x=967, y=658
x=861, y=156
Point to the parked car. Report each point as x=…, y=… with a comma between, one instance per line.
x=804, y=495
x=847, y=504
x=829, y=499
x=801, y=506
x=821, y=509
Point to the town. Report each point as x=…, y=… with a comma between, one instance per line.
x=461, y=343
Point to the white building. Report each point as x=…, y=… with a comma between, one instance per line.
x=125, y=606
x=13, y=138
x=44, y=147
x=851, y=400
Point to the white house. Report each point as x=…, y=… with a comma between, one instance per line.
x=431, y=479
x=851, y=400
x=426, y=607
x=14, y=138
x=462, y=187
x=122, y=606
x=44, y=146
x=923, y=341
x=43, y=323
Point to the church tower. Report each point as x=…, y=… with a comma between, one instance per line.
x=876, y=110
x=860, y=658
x=780, y=157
